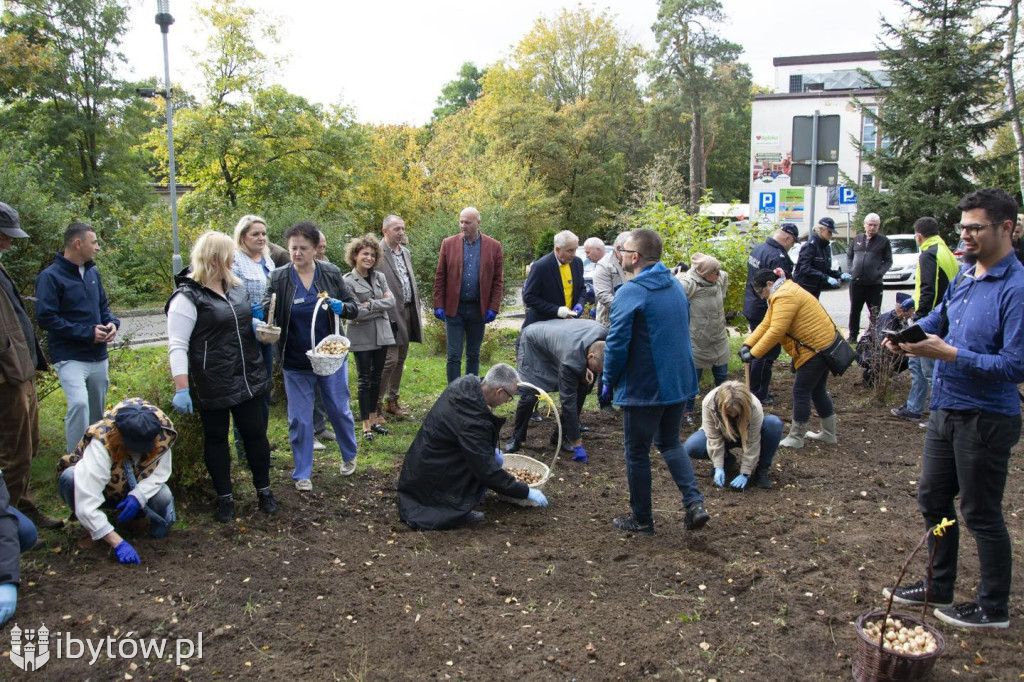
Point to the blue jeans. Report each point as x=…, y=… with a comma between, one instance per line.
x=721, y=375
x=466, y=325
x=696, y=446
x=641, y=426
x=27, y=533
x=161, y=504
x=920, y=382
x=299, y=387
x=85, y=387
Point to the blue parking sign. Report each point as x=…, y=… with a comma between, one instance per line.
x=766, y=202
x=847, y=196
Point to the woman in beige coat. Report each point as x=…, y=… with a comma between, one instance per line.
x=370, y=333
x=705, y=284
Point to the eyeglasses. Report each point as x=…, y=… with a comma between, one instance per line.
x=973, y=229
x=621, y=250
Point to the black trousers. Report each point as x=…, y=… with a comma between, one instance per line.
x=370, y=366
x=871, y=294
x=811, y=385
x=761, y=368
x=968, y=453
x=248, y=418
x=570, y=413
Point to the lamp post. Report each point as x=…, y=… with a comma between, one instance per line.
x=164, y=19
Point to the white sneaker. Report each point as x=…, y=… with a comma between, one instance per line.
x=317, y=445
x=304, y=485
x=348, y=468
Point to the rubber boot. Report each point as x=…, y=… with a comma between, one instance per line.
x=828, y=431
x=795, y=439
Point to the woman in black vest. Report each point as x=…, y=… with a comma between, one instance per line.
x=216, y=362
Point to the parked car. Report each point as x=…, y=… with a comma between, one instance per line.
x=838, y=254
x=905, y=254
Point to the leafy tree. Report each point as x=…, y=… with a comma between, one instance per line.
x=697, y=70
x=461, y=92
x=940, y=105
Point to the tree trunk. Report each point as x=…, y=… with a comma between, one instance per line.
x=1009, y=53
x=697, y=167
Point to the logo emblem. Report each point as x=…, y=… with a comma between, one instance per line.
x=30, y=649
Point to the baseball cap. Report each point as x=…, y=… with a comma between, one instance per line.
x=139, y=427
x=828, y=223
x=905, y=301
x=790, y=229
x=9, y=222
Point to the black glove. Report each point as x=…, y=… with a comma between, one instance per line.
x=745, y=355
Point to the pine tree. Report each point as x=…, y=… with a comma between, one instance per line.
x=939, y=108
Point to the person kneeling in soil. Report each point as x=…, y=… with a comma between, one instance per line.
x=562, y=355
x=122, y=462
x=452, y=459
x=733, y=417
x=871, y=354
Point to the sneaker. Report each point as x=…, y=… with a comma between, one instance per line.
x=971, y=615
x=696, y=516
x=317, y=445
x=688, y=418
x=904, y=413
x=326, y=434
x=267, y=503
x=535, y=417
x=225, y=509
x=631, y=525
x=473, y=517
x=769, y=400
x=914, y=595
x=304, y=485
x=348, y=468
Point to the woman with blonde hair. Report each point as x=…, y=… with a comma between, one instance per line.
x=216, y=362
x=370, y=333
x=732, y=417
x=253, y=265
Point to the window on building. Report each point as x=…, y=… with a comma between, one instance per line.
x=796, y=83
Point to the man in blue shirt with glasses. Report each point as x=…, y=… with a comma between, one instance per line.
x=977, y=337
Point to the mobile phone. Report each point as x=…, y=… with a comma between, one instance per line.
x=912, y=334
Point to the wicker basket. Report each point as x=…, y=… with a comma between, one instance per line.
x=873, y=663
x=266, y=333
x=325, y=364
x=516, y=461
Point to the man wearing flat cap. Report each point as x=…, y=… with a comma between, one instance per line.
x=20, y=357
x=122, y=463
x=813, y=269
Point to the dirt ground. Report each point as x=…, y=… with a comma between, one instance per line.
x=337, y=588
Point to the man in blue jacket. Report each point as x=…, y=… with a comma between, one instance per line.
x=72, y=307
x=648, y=362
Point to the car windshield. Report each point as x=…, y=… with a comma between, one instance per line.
x=903, y=246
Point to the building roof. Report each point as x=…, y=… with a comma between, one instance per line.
x=826, y=58
x=821, y=94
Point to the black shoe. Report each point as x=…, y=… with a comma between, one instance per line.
x=761, y=479
x=904, y=413
x=972, y=615
x=473, y=517
x=513, y=445
x=536, y=417
x=584, y=429
x=368, y=436
x=225, y=509
x=267, y=503
x=631, y=525
x=914, y=594
x=696, y=516
x=607, y=409
x=379, y=428
x=768, y=400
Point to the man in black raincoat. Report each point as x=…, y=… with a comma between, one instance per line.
x=452, y=460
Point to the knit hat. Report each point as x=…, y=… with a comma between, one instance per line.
x=704, y=265
x=905, y=301
x=138, y=426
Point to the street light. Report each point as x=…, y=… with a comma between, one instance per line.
x=164, y=19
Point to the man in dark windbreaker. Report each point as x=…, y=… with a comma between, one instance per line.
x=454, y=457
x=813, y=270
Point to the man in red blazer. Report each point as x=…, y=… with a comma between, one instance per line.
x=468, y=287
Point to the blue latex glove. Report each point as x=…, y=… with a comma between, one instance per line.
x=126, y=554
x=740, y=482
x=593, y=313
x=182, y=401
x=439, y=313
x=719, y=476
x=499, y=456
x=833, y=282
x=579, y=454
x=846, y=277
x=745, y=354
x=8, y=601
x=578, y=309
x=337, y=307
x=537, y=497
x=489, y=316
x=129, y=508
x=257, y=311
x=606, y=392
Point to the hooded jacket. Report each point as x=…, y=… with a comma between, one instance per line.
x=648, y=359
x=708, y=334
x=936, y=268
x=451, y=461
x=69, y=305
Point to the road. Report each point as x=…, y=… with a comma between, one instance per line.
x=837, y=303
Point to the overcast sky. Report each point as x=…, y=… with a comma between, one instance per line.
x=389, y=59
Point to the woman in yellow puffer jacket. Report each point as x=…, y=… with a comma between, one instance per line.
x=797, y=321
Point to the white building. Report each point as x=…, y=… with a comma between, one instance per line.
x=826, y=84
